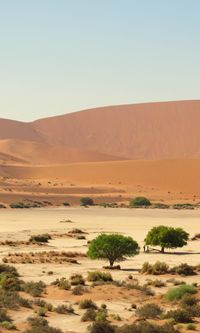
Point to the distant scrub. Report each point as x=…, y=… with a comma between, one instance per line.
x=140, y=202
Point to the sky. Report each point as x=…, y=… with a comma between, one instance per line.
x=60, y=56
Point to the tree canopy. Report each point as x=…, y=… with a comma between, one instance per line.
x=166, y=237
x=112, y=247
x=139, y=202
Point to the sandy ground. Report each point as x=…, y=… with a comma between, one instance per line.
x=20, y=224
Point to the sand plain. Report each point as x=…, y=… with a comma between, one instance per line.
x=19, y=225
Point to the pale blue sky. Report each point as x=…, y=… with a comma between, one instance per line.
x=58, y=56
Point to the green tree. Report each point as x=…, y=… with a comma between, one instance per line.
x=166, y=237
x=139, y=202
x=86, y=201
x=112, y=247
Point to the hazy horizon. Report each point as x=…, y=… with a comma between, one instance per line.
x=66, y=56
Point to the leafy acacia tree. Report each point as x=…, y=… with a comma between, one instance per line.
x=113, y=247
x=166, y=237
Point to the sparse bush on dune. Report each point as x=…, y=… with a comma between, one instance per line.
x=35, y=289
x=40, y=325
x=2, y=206
x=77, y=279
x=147, y=327
x=180, y=315
x=99, y=276
x=149, y=310
x=89, y=315
x=101, y=327
x=64, y=309
x=87, y=304
x=62, y=283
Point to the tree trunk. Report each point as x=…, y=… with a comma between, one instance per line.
x=111, y=263
x=162, y=249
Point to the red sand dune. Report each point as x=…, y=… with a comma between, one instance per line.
x=39, y=153
x=167, y=130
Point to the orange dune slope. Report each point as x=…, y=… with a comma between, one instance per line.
x=165, y=130
x=19, y=152
x=164, y=175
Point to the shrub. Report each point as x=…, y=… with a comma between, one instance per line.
x=178, y=292
x=67, y=204
x=101, y=315
x=188, y=300
x=86, y=201
x=166, y=237
x=8, y=269
x=158, y=268
x=112, y=247
x=8, y=325
x=42, y=312
x=40, y=325
x=44, y=238
x=179, y=316
x=62, y=283
x=78, y=290
x=64, y=309
x=35, y=289
x=139, y=202
x=156, y=283
x=191, y=327
x=184, y=270
x=2, y=206
x=89, y=315
x=150, y=310
x=77, y=279
x=101, y=327
x=147, y=327
x=4, y=316
x=9, y=282
x=99, y=276
x=87, y=304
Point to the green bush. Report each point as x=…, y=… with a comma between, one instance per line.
x=178, y=292
x=99, y=276
x=8, y=325
x=4, y=316
x=2, y=206
x=86, y=201
x=150, y=310
x=87, y=304
x=140, y=202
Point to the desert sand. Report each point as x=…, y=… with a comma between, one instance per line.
x=93, y=221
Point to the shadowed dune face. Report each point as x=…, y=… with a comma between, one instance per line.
x=168, y=130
